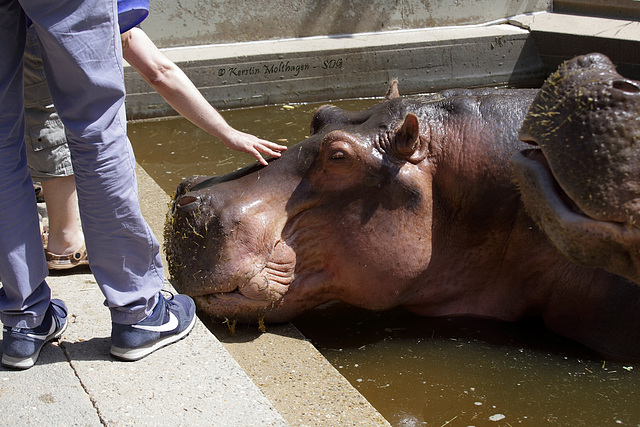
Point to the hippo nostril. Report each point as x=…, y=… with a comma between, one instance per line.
x=186, y=200
x=626, y=86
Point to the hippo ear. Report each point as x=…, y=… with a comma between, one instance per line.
x=392, y=92
x=324, y=115
x=406, y=143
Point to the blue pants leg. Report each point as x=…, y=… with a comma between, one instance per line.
x=83, y=62
x=25, y=296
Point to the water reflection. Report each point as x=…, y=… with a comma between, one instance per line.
x=417, y=371
x=460, y=371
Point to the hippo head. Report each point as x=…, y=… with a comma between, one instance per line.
x=272, y=241
x=582, y=182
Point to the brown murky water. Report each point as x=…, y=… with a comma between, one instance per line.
x=418, y=371
x=421, y=371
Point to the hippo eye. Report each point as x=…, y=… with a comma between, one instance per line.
x=337, y=149
x=338, y=155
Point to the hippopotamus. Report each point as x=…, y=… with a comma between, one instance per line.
x=582, y=182
x=411, y=203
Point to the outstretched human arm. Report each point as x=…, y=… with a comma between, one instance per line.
x=180, y=92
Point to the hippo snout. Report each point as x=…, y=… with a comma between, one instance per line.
x=193, y=240
x=585, y=120
x=223, y=249
x=582, y=186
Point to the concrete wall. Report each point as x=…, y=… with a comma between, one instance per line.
x=252, y=52
x=559, y=37
x=323, y=69
x=173, y=23
x=619, y=9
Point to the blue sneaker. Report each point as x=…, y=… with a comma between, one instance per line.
x=21, y=346
x=170, y=321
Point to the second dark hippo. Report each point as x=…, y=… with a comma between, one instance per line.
x=410, y=203
x=582, y=183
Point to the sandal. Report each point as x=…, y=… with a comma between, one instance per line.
x=64, y=262
x=44, y=232
x=37, y=188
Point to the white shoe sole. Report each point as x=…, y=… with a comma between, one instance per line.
x=133, y=354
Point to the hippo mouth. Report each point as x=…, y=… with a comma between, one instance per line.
x=582, y=239
x=256, y=296
x=538, y=183
x=254, y=288
x=547, y=187
x=264, y=288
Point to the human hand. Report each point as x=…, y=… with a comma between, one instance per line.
x=253, y=145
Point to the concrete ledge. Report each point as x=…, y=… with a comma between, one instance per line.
x=621, y=9
x=300, y=383
x=359, y=65
x=559, y=37
x=520, y=53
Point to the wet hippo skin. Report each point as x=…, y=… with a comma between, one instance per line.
x=410, y=203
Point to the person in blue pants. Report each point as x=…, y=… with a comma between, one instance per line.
x=82, y=55
x=47, y=152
